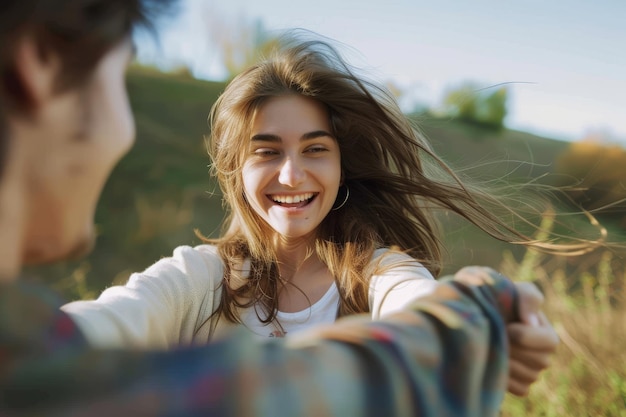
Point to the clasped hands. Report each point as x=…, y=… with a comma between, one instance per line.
x=532, y=340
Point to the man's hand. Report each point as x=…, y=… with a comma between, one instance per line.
x=533, y=340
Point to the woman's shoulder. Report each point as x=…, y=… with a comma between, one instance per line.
x=396, y=279
x=204, y=251
x=392, y=257
x=388, y=262
x=192, y=254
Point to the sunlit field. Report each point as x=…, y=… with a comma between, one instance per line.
x=587, y=306
x=162, y=191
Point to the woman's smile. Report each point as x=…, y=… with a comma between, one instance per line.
x=293, y=201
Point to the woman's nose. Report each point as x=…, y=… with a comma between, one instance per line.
x=291, y=173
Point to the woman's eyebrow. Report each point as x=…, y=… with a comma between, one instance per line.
x=316, y=134
x=265, y=137
x=268, y=137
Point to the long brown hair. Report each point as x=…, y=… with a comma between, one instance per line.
x=394, y=179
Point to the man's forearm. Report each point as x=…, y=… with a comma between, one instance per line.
x=445, y=356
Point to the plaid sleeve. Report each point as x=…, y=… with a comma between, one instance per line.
x=445, y=356
x=32, y=323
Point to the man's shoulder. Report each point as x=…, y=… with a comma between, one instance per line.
x=31, y=321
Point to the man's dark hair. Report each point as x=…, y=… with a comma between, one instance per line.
x=79, y=32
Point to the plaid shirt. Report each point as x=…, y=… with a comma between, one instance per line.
x=446, y=356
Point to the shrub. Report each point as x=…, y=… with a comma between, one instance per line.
x=594, y=178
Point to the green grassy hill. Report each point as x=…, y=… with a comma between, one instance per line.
x=161, y=191
x=486, y=155
x=496, y=153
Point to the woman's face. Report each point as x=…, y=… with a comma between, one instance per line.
x=292, y=171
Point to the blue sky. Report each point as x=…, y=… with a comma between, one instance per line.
x=567, y=57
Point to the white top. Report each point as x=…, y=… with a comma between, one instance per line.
x=321, y=312
x=170, y=303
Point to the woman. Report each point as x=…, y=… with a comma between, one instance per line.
x=331, y=193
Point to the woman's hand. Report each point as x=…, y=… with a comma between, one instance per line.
x=532, y=341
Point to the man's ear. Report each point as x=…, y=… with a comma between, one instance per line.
x=35, y=74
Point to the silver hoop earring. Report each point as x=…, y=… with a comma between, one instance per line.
x=345, y=200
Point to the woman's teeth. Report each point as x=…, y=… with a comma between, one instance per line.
x=292, y=199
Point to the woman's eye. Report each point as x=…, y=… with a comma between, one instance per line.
x=316, y=149
x=265, y=152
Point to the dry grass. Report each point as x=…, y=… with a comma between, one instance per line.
x=588, y=310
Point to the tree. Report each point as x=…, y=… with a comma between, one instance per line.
x=469, y=103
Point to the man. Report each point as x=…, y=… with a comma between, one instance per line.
x=64, y=123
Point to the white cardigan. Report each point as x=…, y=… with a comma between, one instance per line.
x=171, y=302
